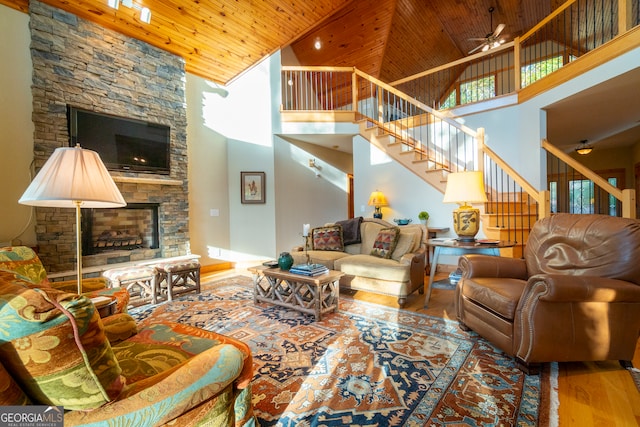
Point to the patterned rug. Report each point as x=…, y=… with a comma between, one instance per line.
x=366, y=365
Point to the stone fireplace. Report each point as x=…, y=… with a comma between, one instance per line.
x=78, y=63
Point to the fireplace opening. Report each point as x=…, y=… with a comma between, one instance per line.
x=134, y=226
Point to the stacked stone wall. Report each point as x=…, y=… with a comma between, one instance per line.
x=79, y=63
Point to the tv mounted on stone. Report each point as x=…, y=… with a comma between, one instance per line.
x=124, y=144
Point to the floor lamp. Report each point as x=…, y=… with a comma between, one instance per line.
x=73, y=178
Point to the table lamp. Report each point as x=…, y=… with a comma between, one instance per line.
x=465, y=188
x=73, y=178
x=377, y=200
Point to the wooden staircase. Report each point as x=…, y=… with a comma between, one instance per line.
x=407, y=154
x=510, y=220
x=507, y=216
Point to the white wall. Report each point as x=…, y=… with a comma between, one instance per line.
x=16, y=135
x=406, y=193
x=208, y=175
x=303, y=197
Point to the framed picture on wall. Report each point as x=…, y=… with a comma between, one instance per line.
x=252, y=188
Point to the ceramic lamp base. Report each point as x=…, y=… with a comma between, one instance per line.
x=466, y=223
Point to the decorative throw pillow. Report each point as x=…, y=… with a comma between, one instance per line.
x=386, y=242
x=327, y=238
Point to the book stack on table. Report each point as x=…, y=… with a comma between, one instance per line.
x=309, y=269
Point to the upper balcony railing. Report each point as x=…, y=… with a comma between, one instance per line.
x=575, y=28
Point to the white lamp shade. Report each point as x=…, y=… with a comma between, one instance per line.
x=465, y=187
x=71, y=175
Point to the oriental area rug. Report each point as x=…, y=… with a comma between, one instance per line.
x=365, y=365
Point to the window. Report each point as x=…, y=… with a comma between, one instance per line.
x=477, y=90
x=450, y=102
x=537, y=70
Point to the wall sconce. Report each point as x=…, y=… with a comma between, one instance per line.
x=313, y=165
x=145, y=12
x=584, y=148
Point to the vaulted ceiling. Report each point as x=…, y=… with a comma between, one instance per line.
x=388, y=39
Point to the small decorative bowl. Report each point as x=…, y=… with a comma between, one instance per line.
x=401, y=221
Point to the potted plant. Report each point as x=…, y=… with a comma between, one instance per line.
x=423, y=216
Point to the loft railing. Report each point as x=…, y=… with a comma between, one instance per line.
x=573, y=29
x=573, y=188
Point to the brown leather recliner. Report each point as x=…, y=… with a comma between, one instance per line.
x=574, y=297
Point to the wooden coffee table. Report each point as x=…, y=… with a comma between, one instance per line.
x=313, y=295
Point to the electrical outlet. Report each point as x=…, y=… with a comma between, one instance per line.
x=214, y=212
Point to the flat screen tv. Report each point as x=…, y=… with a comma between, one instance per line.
x=123, y=144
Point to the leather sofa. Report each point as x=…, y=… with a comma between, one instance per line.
x=55, y=351
x=397, y=273
x=574, y=297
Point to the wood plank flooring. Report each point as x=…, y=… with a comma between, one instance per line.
x=598, y=394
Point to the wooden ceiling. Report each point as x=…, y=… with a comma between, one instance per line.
x=389, y=39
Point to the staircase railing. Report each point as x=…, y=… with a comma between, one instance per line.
x=432, y=136
x=574, y=188
x=513, y=204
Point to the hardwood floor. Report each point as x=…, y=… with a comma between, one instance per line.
x=598, y=394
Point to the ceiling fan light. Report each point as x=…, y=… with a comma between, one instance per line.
x=485, y=48
x=584, y=148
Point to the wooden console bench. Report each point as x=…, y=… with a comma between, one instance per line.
x=313, y=295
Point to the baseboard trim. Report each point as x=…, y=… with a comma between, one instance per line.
x=212, y=268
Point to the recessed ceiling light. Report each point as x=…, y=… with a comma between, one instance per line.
x=317, y=44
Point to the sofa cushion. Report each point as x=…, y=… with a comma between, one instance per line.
x=328, y=238
x=373, y=267
x=385, y=242
x=55, y=347
x=326, y=258
x=405, y=244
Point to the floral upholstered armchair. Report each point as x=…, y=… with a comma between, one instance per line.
x=54, y=351
x=24, y=263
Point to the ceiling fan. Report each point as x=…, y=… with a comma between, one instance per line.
x=491, y=40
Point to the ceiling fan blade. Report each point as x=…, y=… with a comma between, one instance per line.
x=498, y=30
x=480, y=39
x=477, y=48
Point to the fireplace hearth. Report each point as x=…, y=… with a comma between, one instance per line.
x=132, y=227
